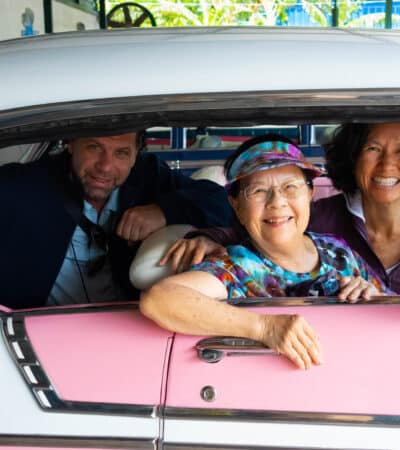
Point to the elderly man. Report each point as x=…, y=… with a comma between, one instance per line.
x=72, y=222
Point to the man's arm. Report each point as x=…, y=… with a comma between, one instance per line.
x=167, y=197
x=138, y=223
x=201, y=203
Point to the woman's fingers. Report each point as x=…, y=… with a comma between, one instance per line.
x=300, y=353
x=351, y=289
x=369, y=291
x=194, y=253
x=345, y=288
x=187, y=252
x=188, y=258
x=294, y=338
x=198, y=255
x=182, y=257
x=355, y=293
x=174, y=255
x=295, y=357
x=303, y=352
x=311, y=341
x=169, y=253
x=356, y=288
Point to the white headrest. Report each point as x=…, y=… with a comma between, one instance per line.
x=144, y=271
x=213, y=173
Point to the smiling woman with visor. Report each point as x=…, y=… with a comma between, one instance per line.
x=270, y=189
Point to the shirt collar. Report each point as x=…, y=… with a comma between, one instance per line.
x=112, y=202
x=111, y=205
x=354, y=204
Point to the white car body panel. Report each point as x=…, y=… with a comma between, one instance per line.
x=56, y=87
x=304, y=436
x=139, y=62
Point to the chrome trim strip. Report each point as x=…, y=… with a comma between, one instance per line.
x=255, y=302
x=310, y=301
x=177, y=446
x=24, y=356
x=311, y=418
x=68, y=309
x=71, y=442
x=10, y=326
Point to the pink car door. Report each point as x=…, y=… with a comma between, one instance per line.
x=81, y=377
x=223, y=393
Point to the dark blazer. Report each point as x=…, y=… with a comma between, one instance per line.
x=36, y=228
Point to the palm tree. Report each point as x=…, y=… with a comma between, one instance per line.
x=202, y=12
x=244, y=12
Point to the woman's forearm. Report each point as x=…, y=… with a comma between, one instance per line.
x=180, y=308
x=185, y=310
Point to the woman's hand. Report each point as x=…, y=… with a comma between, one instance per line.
x=186, y=252
x=353, y=289
x=293, y=337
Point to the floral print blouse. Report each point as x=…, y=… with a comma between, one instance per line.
x=245, y=272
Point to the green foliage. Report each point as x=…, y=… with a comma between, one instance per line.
x=178, y=13
x=320, y=12
x=346, y=9
x=201, y=12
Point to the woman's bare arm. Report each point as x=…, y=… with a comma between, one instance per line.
x=189, y=303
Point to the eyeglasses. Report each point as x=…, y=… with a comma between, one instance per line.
x=259, y=194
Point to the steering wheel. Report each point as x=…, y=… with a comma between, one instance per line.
x=129, y=14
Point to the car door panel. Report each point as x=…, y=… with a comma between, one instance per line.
x=116, y=361
x=81, y=375
x=254, y=394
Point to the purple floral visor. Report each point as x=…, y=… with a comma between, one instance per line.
x=268, y=155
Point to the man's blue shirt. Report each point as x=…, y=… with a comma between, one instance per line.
x=73, y=284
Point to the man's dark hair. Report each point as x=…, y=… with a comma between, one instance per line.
x=342, y=152
x=141, y=139
x=269, y=137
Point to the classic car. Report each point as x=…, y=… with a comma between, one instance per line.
x=103, y=376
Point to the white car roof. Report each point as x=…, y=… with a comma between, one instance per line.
x=160, y=61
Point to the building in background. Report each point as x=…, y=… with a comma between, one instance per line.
x=30, y=17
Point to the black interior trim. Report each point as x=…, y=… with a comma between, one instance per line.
x=111, y=116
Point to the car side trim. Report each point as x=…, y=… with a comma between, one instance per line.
x=309, y=301
x=279, y=416
x=177, y=446
x=64, y=441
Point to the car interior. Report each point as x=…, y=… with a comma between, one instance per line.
x=198, y=152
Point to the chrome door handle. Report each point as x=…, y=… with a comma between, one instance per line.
x=212, y=350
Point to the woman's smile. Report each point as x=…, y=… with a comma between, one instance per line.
x=278, y=221
x=385, y=182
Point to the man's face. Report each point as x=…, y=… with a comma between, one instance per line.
x=101, y=164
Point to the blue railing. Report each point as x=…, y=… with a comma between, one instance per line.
x=368, y=14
